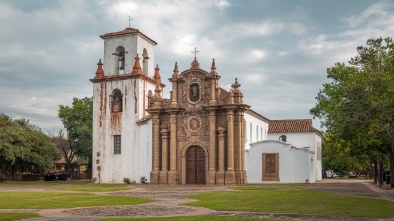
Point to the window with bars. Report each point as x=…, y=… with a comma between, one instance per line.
x=117, y=144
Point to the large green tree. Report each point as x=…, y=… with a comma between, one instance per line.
x=78, y=121
x=24, y=147
x=357, y=105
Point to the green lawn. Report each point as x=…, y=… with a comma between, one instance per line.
x=17, y=216
x=292, y=199
x=40, y=183
x=190, y=218
x=88, y=187
x=83, y=186
x=51, y=200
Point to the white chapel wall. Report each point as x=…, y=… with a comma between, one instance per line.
x=255, y=129
x=294, y=166
x=145, y=150
x=301, y=140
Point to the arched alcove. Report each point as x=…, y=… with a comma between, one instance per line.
x=120, y=60
x=145, y=62
x=116, y=101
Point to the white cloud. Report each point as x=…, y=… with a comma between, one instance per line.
x=222, y=4
x=297, y=28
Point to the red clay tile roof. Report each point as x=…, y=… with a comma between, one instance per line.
x=126, y=32
x=291, y=126
x=147, y=117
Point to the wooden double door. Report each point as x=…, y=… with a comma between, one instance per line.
x=195, y=165
x=270, y=167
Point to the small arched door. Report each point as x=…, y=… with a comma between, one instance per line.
x=195, y=165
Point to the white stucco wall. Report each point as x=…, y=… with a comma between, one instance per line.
x=145, y=150
x=259, y=129
x=293, y=163
x=301, y=140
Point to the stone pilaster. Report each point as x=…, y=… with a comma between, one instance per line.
x=237, y=148
x=154, y=174
x=173, y=173
x=211, y=176
x=220, y=174
x=242, y=119
x=164, y=156
x=230, y=173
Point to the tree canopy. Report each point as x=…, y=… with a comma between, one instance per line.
x=24, y=147
x=357, y=105
x=78, y=121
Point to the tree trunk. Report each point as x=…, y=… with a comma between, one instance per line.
x=391, y=167
x=375, y=173
x=381, y=171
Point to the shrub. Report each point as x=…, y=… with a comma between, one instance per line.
x=143, y=180
x=126, y=180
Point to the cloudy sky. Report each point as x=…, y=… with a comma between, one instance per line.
x=278, y=50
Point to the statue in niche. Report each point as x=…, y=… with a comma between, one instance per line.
x=194, y=94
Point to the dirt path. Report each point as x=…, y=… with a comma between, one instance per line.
x=168, y=200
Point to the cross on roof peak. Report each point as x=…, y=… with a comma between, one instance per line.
x=130, y=19
x=195, y=52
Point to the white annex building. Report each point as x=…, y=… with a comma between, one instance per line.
x=202, y=134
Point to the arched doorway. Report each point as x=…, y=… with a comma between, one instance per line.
x=195, y=165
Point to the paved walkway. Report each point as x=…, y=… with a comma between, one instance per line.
x=168, y=200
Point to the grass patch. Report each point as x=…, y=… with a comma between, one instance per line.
x=17, y=216
x=40, y=183
x=271, y=187
x=51, y=200
x=83, y=186
x=190, y=218
x=88, y=187
x=287, y=200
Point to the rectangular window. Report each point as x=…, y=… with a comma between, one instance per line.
x=117, y=144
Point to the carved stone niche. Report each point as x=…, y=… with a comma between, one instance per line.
x=194, y=92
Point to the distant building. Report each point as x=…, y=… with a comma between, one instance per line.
x=202, y=134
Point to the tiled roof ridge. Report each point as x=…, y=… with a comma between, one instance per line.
x=145, y=118
x=292, y=126
x=128, y=31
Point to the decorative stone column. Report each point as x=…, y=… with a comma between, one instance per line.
x=164, y=156
x=214, y=82
x=221, y=173
x=242, y=119
x=212, y=148
x=230, y=173
x=173, y=173
x=237, y=148
x=154, y=174
x=174, y=80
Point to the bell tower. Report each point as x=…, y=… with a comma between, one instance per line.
x=121, y=86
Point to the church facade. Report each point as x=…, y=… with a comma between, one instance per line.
x=202, y=134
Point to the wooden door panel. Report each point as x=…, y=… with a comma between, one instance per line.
x=270, y=164
x=195, y=165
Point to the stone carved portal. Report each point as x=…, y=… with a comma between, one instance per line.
x=195, y=165
x=197, y=154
